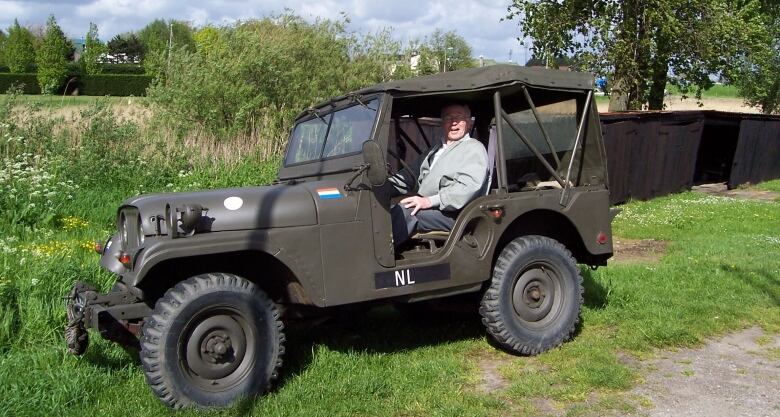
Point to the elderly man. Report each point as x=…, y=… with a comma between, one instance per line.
x=451, y=174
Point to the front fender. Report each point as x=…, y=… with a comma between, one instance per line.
x=293, y=246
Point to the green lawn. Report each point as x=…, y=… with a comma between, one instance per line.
x=55, y=101
x=721, y=273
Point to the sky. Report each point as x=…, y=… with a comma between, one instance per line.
x=478, y=21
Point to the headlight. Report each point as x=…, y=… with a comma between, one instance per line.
x=131, y=234
x=123, y=227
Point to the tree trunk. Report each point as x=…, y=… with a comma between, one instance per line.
x=618, y=97
x=655, y=99
x=660, y=72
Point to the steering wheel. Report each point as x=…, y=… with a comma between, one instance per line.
x=404, y=166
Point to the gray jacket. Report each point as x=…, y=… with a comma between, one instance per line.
x=458, y=176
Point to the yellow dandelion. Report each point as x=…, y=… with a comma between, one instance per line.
x=73, y=223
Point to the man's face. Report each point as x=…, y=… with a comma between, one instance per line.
x=456, y=122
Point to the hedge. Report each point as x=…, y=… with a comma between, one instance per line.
x=28, y=82
x=87, y=85
x=123, y=69
x=74, y=69
x=113, y=85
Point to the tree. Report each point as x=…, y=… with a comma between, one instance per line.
x=93, y=50
x=438, y=52
x=128, y=46
x=454, y=51
x=637, y=43
x=207, y=40
x=756, y=73
x=52, y=58
x=3, y=38
x=161, y=37
x=19, y=53
x=557, y=61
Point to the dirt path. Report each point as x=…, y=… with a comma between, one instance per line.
x=720, y=189
x=738, y=375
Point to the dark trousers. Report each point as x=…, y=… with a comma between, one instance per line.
x=405, y=225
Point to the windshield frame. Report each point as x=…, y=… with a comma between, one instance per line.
x=323, y=113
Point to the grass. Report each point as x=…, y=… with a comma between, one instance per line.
x=773, y=185
x=716, y=91
x=720, y=274
x=56, y=101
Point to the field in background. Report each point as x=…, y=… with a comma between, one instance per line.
x=719, y=97
x=716, y=91
x=53, y=101
x=63, y=180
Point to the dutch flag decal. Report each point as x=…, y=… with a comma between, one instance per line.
x=328, y=193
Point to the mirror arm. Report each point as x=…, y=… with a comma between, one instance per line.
x=359, y=170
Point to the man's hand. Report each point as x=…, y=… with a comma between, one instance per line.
x=416, y=203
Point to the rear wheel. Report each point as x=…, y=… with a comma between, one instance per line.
x=533, y=302
x=211, y=340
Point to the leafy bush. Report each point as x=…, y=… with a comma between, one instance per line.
x=28, y=83
x=251, y=79
x=113, y=85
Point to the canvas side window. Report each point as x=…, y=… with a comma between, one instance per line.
x=560, y=122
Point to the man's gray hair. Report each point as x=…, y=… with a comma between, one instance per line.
x=462, y=105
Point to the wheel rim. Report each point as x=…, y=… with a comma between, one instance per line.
x=538, y=294
x=218, y=349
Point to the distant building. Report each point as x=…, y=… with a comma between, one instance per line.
x=119, y=58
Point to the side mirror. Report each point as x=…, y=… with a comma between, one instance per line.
x=377, y=169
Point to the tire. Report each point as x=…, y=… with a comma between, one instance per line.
x=534, y=299
x=211, y=340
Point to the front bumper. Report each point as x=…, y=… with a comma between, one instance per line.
x=117, y=316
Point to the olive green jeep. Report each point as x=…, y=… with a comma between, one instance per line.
x=207, y=280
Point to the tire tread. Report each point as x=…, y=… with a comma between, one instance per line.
x=490, y=309
x=169, y=304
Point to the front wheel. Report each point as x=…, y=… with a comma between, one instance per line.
x=211, y=340
x=533, y=302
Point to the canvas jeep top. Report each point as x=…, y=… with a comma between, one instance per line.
x=207, y=279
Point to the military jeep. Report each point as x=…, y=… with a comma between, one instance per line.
x=207, y=280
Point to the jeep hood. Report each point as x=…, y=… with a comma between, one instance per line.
x=232, y=208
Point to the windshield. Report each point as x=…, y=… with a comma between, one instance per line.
x=334, y=134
